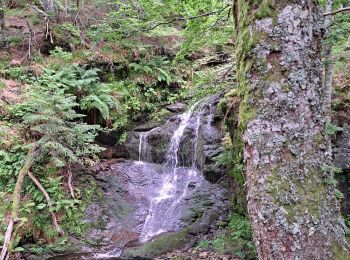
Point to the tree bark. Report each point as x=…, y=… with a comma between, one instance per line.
x=16, y=199
x=2, y=16
x=328, y=56
x=49, y=6
x=2, y=23
x=283, y=114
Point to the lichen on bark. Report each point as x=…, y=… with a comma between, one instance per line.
x=284, y=109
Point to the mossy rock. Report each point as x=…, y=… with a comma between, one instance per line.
x=159, y=246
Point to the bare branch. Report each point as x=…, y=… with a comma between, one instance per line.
x=40, y=11
x=341, y=10
x=7, y=238
x=49, y=203
x=70, y=183
x=188, y=18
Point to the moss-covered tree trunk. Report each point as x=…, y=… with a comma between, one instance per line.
x=16, y=200
x=283, y=113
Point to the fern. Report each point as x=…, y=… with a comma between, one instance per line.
x=83, y=85
x=56, y=127
x=93, y=101
x=164, y=76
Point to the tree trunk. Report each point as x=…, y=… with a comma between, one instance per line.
x=2, y=16
x=328, y=56
x=283, y=113
x=49, y=6
x=16, y=199
x=2, y=24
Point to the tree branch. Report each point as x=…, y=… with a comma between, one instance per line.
x=188, y=18
x=49, y=203
x=341, y=10
x=70, y=183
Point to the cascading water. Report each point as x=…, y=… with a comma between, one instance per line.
x=143, y=151
x=163, y=213
x=143, y=145
x=169, y=184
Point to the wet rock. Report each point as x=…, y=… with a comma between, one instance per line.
x=116, y=151
x=217, y=59
x=177, y=107
x=157, y=143
x=159, y=246
x=185, y=238
x=203, y=255
x=341, y=150
x=116, y=219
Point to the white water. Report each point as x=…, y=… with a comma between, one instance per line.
x=143, y=146
x=172, y=155
x=163, y=205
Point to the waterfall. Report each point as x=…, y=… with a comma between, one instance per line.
x=163, y=188
x=172, y=155
x=163, y=210
x=143, y=145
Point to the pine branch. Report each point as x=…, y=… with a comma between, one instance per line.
x=341, y=10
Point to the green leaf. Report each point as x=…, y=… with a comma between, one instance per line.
x=41, y=206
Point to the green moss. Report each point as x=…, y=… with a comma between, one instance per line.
x=159, y=245
x=318, y=139
x=310, y=193
x=285, y=88
x=160, y=115
x=266, y=9
x=339, y=253
x=246, y=40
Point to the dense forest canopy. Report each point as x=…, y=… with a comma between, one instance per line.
x=262, y=85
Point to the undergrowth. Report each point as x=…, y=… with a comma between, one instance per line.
x=235, y=239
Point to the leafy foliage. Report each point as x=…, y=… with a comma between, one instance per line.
x=333, y=129
x=84, y=85
x=205, y=23
x=236, y=240
x=51, y=124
